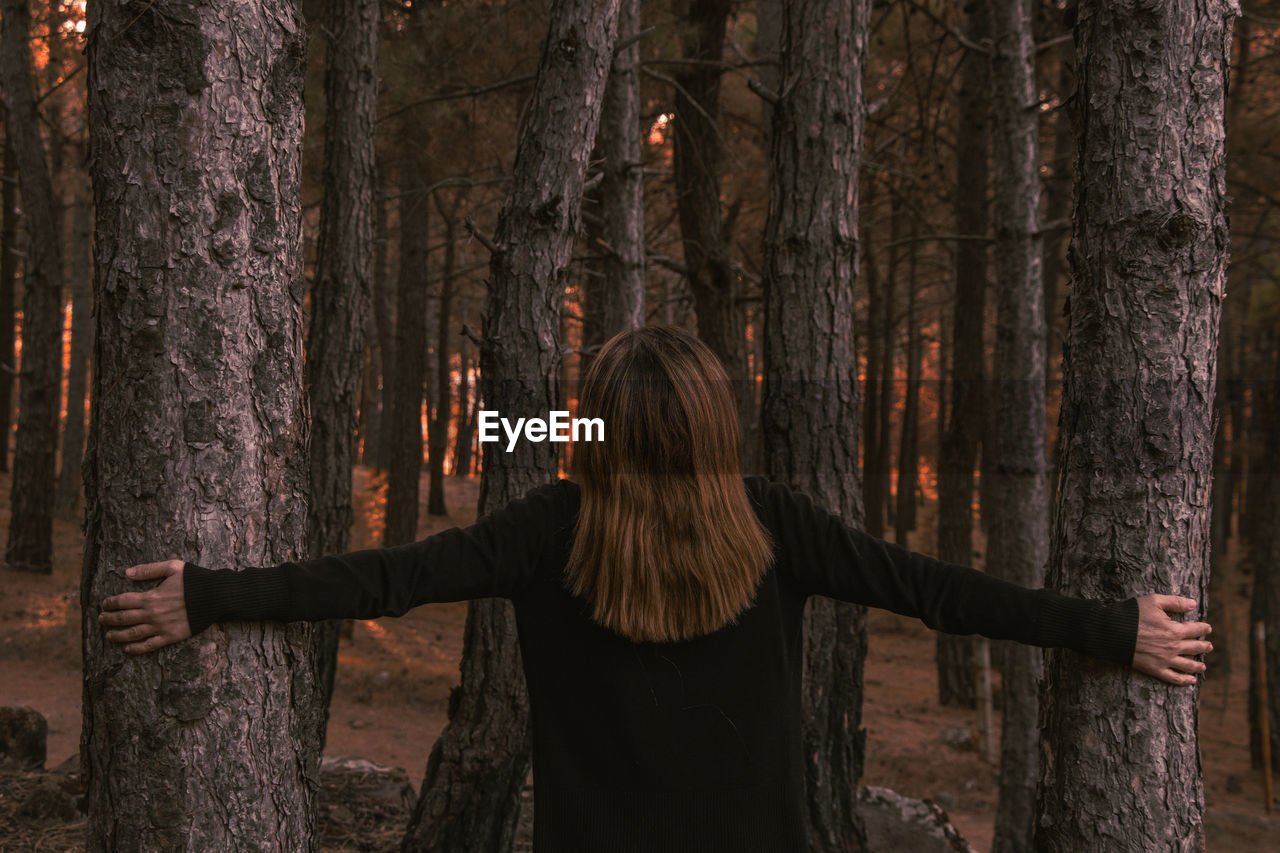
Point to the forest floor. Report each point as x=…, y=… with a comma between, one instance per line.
x=394, y=678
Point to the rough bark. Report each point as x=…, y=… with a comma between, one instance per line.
x=959, y=450
x=30, y=543
x=410, y=372
x=8, y=279
x=1018, y=542
x=697, y=163
x=1120, y=764
x=70, y=483
x=614, y=302
x=810, y=405
x=198, y=438
x=340, y=290
x=471, y=793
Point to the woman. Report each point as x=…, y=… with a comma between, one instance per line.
x=659, y=597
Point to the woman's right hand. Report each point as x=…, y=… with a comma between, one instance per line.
x=1164, y=645
x=148, y=620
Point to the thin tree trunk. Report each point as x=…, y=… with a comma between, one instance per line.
x=438, y=439
x=909, y=443
x=340, y=292
x=471, y=794
x=874, y=508
x=30, y=544
x=8, y=280
x=410, y=373
x=697, y=162
x=70, y=483
x=466, y=404
x=1018, y=544
x=882, y=485
x=615, y=301
x=811, y=369
x=1148, y=258
x=1260, y=547
x=384, y=301
x=197, y=444
x=956, y=655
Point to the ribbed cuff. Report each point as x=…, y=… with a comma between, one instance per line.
x=223, y=596
x=1106, y=630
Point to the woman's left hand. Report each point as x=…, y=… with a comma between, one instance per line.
x=1164, y=646
x=148, y=620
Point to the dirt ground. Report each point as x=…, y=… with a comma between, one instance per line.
x=394, y=678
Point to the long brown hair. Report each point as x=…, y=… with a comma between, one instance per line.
x=667, y=546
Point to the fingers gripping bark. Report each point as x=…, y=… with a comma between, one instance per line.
x=1165, y=647
x=150, y=620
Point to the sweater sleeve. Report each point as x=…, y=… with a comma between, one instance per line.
x=831, y=558
x=495, y=557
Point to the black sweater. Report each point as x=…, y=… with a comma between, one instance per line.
x=671, y=747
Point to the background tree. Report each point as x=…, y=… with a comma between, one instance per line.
x=810, y=403
x=30, y=542
x=471, y=794
x=70, y=479
x=1018, y=538
x=958, y=454
x=410, y=371
x=614, y=297
x=198, y=434
x=697, y=166
x=340, y=291
x=1148, y=260
x=8, y=282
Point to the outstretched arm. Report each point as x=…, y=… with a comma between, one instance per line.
x=495, y=557
x=833, y=559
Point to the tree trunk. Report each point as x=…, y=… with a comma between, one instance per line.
x=1260, y=547
x=384, y=297
x=8, y=278
x=467, y=400
x=340, y=292
x=904, y=518
x=410, y=373
x=615, y=301
x=70, y=482
x=438, y=439
x=697, y=162
x=811, y=368
x=197, y=445
x=1265, y=602
x=1148, y=258
x=874, y=508
x=471, y=794
x=1018, y=543
x=959, y=451
x=30, y=545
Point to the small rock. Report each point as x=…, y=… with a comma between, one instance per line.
x=945, y=800
x=23, y=733
x=899, y=823
x=47, y=801
x=958, y=738
x=358, y=724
